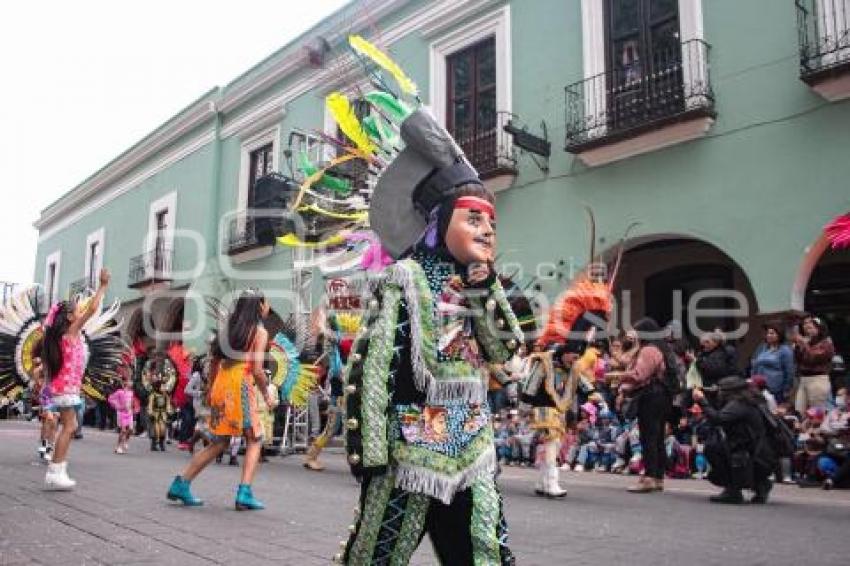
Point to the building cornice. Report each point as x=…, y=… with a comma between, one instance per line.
x=263, y=115
x=193, y=117
x=69, y=217
x=433, y=17
x=291, y=58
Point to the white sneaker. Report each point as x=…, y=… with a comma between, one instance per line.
x=618, y=466
x=578, y=468
x=56, y=478
x=119, y=450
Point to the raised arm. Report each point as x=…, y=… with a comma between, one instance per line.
x=94, y=304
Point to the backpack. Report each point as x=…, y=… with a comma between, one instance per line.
x=671, y=380
x=779, y=436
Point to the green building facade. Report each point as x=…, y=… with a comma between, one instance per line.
x=717, y=128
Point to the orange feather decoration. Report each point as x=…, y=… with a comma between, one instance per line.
x=583, y=295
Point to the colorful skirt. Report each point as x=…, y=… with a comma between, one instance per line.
x=548, y=420
x=233, y=402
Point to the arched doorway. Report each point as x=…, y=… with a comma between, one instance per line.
x=676, y=277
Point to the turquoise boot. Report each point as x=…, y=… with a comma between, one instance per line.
x=245, y=499
x=179, y=491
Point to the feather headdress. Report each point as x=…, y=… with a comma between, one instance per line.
x=343, y=113
x=366, y=49
x=838, y=232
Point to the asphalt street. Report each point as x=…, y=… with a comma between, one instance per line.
x=119, y=515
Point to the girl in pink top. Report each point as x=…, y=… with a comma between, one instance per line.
x=64, y=358
x=122, y=400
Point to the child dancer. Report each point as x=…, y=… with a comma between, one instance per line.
x=122, y=401
x=46, y=414
x=159, y=409
x=64, y=355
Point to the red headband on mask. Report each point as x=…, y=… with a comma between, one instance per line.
x=476, y=203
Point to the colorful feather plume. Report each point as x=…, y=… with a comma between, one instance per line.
x=367, y=49
x=349, y=323
x=296, y=379
x=838, y=232
x=344, y=115
x=584, y=295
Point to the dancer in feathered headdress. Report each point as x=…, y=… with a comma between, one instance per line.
x=66, y=347
x=336, y=334
x=418, y=435
x=573, y=321
x=97, y=345
x=21, y=333
x=237, y=377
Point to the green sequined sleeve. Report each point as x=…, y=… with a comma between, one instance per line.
x=367, y=389
x=496, y=325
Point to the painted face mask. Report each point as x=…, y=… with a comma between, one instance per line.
x=471, y=234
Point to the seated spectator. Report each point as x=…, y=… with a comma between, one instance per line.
x=628, y=450
x=699, y=434
x=500, y=440
x=834, y=463
x=520, y=440
x=602, y=450
x=678, y=456
x=811, y=446
x=582, y=457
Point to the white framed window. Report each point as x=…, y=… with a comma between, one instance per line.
x=316, y=149
x=94, y=257
x=51, y=276
x=162, y=219
x=595, y=39
x=259, y=154
x=495, y=25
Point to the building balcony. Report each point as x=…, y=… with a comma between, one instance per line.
x=627, y=111
x=490, y=149
x=824, y=35
x=79, y=287
x=241, y=236
x=152, y=268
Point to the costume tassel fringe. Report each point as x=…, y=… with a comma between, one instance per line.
x=430, y=483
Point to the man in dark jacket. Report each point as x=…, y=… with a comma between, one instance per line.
x=739, y=453
x=715, y=360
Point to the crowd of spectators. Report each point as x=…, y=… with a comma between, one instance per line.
x=801, y=379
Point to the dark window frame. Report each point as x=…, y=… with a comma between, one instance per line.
x=92, y=274
x=625, y=87
x=265, y=153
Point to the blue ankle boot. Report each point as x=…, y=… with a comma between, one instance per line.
x=245, y=499
x=179, y=491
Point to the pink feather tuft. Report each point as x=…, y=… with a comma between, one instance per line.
x=375, y=258
x=838, y=232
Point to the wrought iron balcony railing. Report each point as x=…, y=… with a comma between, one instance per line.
x=488, y=147
x=241, y=236
x=824, y=34
x=627, y=101
x=79, y=286
x=151, y=267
